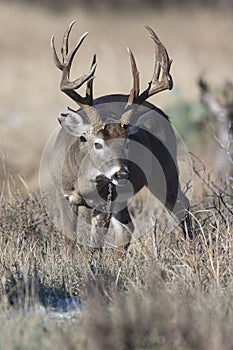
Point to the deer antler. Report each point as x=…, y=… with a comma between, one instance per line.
x=161, y=79
x=69, y=87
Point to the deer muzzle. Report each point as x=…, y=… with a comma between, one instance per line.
x=121, y=177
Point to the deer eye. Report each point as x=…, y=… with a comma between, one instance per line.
x=98, y=145
x=83, y=139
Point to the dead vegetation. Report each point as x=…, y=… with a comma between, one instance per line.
x=181, y=300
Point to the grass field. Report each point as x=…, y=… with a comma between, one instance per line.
x=180, y=300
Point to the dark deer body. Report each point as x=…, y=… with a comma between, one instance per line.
x=115, y=145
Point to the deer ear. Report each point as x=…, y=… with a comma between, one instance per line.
x=73, y=122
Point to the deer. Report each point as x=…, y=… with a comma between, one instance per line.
x=221, y=107
x=112, y=147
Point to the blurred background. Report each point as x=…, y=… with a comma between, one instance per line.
x=198, y=38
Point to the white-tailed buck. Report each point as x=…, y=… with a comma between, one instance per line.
x=113, y=146
x=221, y=107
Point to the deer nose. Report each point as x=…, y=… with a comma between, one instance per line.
x=122, y=177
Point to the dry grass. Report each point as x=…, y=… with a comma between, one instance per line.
x=182, y=300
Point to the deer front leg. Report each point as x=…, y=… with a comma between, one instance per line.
x=76, y=220
x=99, y=229
x=123, y=230
x=67, y=221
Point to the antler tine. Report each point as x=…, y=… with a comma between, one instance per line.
x=65, y=44
x=162, y=67
x=67, y=58
x=89, y=90
x=68, y=86
x=161, y=79
x=56, y=60
x=70, y=56
x=64, y=48
x=155, y=38
x=134, y=92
